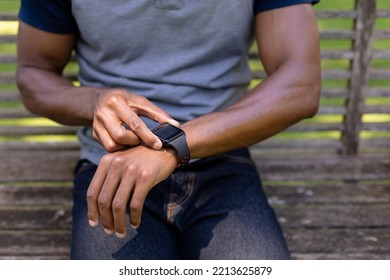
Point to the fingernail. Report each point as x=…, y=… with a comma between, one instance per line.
x=133, y=226
x=120, y=235
x=92, y=223
x=108, y=231
x=157, y=145
x=174, y=122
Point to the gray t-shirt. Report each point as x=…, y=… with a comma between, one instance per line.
x=187, y=57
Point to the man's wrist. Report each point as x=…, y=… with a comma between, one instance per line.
x=173, y=157
x=175, y=138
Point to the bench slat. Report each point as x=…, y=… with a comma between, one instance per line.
x=50, y=195
x=322, y=168
x=37, y=130
x=334, y=216
x=24, y=146
x=331, y=194
x=38, y=166
x=8, y=16
x=42, y=217
x=362, y=243
x=27, y=244
x=14, y=113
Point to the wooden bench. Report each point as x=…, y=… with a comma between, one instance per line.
x=328, y=178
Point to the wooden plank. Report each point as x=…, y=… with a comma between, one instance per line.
x=379, y=74
x=276, y=143
x=338, y=193
x=339, y=14
x=383, y=13
x=8, y=17
x=7, y=58
x=343, y=243
x=34, y=257
x=36, y=195
x=9, y=96
x=291, y=152
x=382, y=34
x=38, y=166
x=380, y=54
x=346, y=55
x=42, y=218
x=327, y=54
x=370, y=143
x=383, y=126
x=334, y=216
x=321, y=167
x=377, y=109
x=337, y=34
x=14, y=113
x=353, y=256
x=350, y=34
x=37, y=130
x=331, y=110
x=26, y=147
x=310, y=127
x=360, y=67
x=9, y=77
x=334, y=92
x=28, y=244
x=336, y=74
x=379, y=92
x=6, y=39
x=326, y=74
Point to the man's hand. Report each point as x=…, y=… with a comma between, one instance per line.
x=117, y=123
x=125, y=178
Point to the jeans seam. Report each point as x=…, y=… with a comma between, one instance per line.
x=172, y=205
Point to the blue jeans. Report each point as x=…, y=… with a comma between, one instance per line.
x=215, y=208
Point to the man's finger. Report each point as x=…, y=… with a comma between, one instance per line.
x=119, y=205
x=94, y=191
x=137, y=203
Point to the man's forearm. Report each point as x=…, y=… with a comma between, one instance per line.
x=49, y=94
x=279, y=102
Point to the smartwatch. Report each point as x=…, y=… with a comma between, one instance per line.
x=174, y=137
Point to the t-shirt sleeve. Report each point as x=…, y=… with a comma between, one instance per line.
x=265, y=5
x=53, y=16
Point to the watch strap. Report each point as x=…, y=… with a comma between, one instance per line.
x=181, y=147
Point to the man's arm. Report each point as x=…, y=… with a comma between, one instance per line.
x=288, y=44
x=289, y=47
x=42, y=57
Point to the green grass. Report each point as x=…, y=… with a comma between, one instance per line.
x=9, y=6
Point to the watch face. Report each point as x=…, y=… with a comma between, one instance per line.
x=167, y=131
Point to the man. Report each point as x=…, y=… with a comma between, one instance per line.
x=182, y=64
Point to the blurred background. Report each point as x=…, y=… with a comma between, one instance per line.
x=336, y=46
x=328, y=178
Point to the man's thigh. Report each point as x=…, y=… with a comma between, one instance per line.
x=231, y=217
